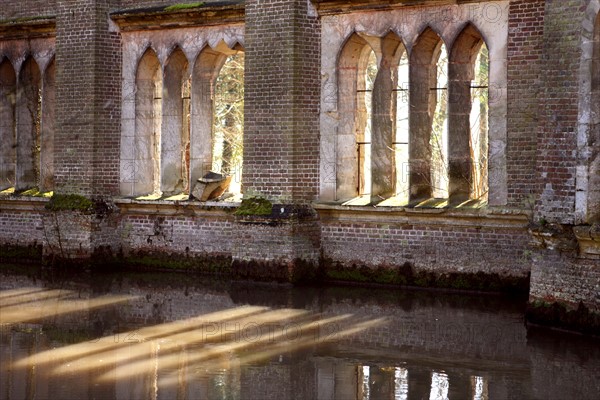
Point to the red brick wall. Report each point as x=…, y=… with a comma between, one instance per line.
x=10, y=9
x=525, y=40
x=281, y=137
x=557, y=133
x=88, y=90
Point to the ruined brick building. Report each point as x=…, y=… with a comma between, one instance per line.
x=449, y=143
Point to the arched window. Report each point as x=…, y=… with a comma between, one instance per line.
x=357, y=69
x=145, y=168
x=28, y=118
x=218, y=114
x=402, y=128
x=175, y=130
x=8, y=82
x=47, y=129
x=228, y=121
x=427, y=121
x=468, y=116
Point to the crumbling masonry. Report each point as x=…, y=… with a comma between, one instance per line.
x=429, y=143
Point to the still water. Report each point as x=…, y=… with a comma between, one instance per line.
x=170, y=336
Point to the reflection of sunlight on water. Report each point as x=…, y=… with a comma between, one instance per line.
x=439, y=386
x=31, y=304
x=207, y=350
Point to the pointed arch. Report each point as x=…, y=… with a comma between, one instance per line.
x=8, y=82
x=28, y=118
x=423, y=91
x=228, y=120
x=145, y=166
x=353, y=154
x=466, y=171
x=209, y=151
x=48, y=126
x=383, y=157
x=175, y=133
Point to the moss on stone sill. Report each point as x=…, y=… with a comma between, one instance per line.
x=255, y=206
x=184, y=6
x=69, y=202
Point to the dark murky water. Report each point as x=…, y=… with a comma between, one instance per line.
x=168, y=336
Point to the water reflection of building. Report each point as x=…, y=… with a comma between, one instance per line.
x=200, y=342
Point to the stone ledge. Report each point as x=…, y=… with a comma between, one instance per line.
x=332, y=7
x=176, y=208
x=19, y=203
x=210, y=13
x=494, y=218
x=24, y=28
x=588, y=239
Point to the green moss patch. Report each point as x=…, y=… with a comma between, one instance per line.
x=184, y=6
x=69, y=202
x=255, y=206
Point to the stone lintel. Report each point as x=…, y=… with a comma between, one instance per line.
x=28, y=28
x=217, y=13
x=331, y=7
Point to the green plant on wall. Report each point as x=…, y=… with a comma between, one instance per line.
x=184, y=6
x=255, y=206
x=69, y=202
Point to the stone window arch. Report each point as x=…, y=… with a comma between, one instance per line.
x=210, y=150
x=145, y=167
x=355, y=86
x=28, y=123
x=8, y=85
x=427, y=114
x=468, y=134
x=175, y=129
x=47, y=129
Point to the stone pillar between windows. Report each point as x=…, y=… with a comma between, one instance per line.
x=206, y=70
x=382, y=148
x=47, y=139
x=459, y=152
x=7, y=124
x=172, y=136
x=422, y=109
x=28, y=113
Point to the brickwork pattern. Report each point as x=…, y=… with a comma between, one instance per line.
x=525, y=40
x=88, y=134
x=564, y=279
x=440, y=249
x=281, y=139
x=557, y=134
x=13, y=9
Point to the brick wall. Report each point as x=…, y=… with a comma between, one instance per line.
x=557, y=133
x=12, y=9
x=88, y=90
x=525, y=40
x=281, y=100
x=392, y=241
